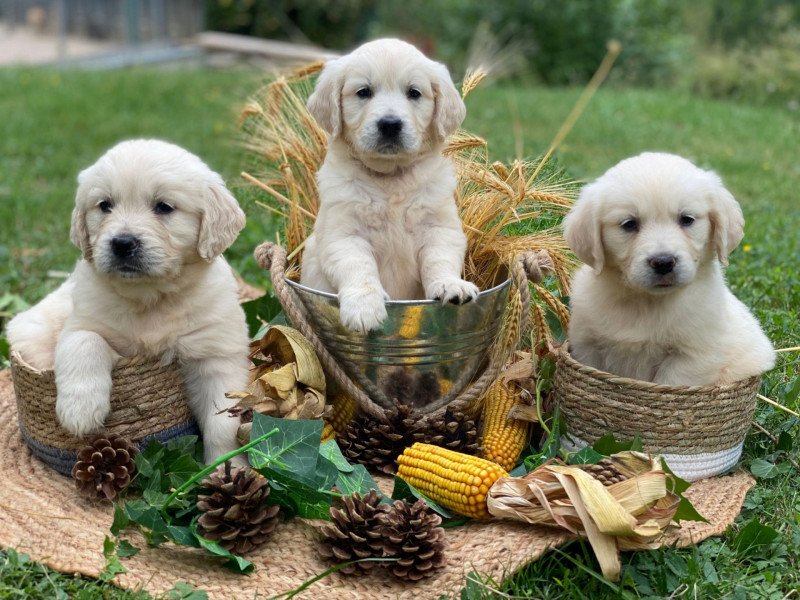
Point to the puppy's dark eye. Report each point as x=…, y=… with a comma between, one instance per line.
x=686, y=220
x=630, y=225
x=364, y=93
x=413, y=94
x=105, y=206
x=162, y=208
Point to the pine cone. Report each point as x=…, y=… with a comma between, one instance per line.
x=354, y=531
x=604, y=472
x=105, y=467
x=234, y=512
x=411, y=533
x=377, y=445
x=453, y=430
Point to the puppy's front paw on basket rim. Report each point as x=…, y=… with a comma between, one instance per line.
x=699, y=430
x=148, y=402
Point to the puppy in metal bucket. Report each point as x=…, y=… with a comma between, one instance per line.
x=152, y=221
x=388, y=226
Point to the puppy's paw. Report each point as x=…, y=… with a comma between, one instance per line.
x=363, y=309
x=456, y=291
x=82, y=410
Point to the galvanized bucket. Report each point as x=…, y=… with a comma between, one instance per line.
x=424, y=354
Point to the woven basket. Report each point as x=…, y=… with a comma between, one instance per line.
x=699, y=430
x=148, y=402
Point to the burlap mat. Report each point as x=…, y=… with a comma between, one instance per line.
x=44, y=517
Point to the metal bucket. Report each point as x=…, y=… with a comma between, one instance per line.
x=424, y=354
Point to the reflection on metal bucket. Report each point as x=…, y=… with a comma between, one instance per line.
x=423, y=351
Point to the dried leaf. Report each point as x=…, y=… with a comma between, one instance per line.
x=289, y=346
x=632, y=513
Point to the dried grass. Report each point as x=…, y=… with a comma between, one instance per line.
x=506, y=209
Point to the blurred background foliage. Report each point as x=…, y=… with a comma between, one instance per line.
x=741, y=49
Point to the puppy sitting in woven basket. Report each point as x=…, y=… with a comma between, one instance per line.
x=651, y=302
x=388, y=226
x=151, y=220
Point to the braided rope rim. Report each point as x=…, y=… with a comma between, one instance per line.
x=669, y=419
x=147, y=399
x=272, y=257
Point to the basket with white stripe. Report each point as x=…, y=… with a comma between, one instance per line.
x=698, y=430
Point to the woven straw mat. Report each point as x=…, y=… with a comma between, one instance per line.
x=43, y=516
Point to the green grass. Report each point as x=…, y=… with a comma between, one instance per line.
x=57, y=123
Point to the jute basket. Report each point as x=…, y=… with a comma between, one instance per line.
x=699, y=430
x=148, y=402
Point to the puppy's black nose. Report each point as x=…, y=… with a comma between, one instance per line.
x=124, y=246
x=390, y=127
x=662, y=263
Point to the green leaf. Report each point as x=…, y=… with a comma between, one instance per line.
x=785, y=442
x=587, y=456
x=687, y=512
x=333, y=453
x=113, y=566
x=259, y=311
x=5, y=349
x=121, y=520
x=608, y=444
x=753, y=537
x=359, y=480
x=185, y=591
x=149, y=518
x=763, y=469
x=298, y=498
x=125, y=549
x=294, y=449
x=405, y=491
x=232, y=561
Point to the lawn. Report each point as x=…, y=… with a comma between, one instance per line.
x=56, y=123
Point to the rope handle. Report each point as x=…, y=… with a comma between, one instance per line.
x=528, y=266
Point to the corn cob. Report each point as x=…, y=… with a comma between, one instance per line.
x=343, y=409
x=503, y=438
x=457, y=481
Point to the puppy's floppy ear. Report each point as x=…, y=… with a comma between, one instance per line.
x=583, y=228
x=727, y=221
x=449, y=111
x=324, y=104
x=222, y=220
x=78, y=232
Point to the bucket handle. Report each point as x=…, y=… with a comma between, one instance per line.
x=528, y=266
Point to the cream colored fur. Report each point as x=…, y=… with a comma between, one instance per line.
x=388, y=226
x=684, y=327
x=177, y=300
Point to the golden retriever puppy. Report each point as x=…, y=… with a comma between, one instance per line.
x=388, y=226
x=151, y=220
x=651, y=302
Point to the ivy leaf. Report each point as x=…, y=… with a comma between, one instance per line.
x=232, y=561
x=753, y=537
x=125, y=549
x=113, y=566
x=404, y=491
x=686, y=510
x=294, y=449
x=333, y=453
x=359, y=480
x=608, y=444
x=587, y=456
x=121, y=520
x=259, y=311
x=763, y=469
x=785, y=441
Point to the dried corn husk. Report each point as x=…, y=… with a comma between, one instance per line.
x=628, y=515
x=288, y=381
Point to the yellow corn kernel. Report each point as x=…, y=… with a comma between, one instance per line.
x=343, y=409
x=503, y=438
x=459, y=482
